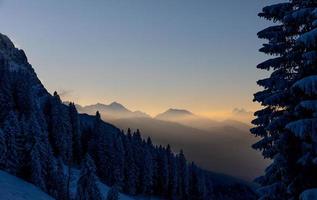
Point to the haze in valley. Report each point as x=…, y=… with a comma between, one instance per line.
x=221, y=146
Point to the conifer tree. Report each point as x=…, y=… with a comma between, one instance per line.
x=173, y=179
x=118, y=163
x=6, y=99
x=12, y=132
x=87, y=187
x=3, y=149
x=197, y=189
x=32, y=148
x=303, y=118
x=76, y=133
x=49, y=169
x=163, y=171
x=286, y=132
x=130, y=166
x=76, y=151
x=37, y=177
x=147, y=172
x=102, y=149
x=22, y=92
x=60, y=130
x=173, y=184
x=61, y=180
x=183, y=176
x=94, y=136
x=138, y=155
x=113, y=194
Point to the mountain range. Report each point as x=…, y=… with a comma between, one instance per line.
x=111, y=111
x=221, y=146
x=116, y=110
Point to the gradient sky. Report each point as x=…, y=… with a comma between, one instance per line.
x=149, y=55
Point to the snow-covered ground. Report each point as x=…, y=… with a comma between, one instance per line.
x=13, y=188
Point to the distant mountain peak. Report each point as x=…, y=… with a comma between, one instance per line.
x=141, y=114
x=116, y=104
x=113, y=110
x=174, y=113
x=179, y=111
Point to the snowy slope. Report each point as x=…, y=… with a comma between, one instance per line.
x=13, y=188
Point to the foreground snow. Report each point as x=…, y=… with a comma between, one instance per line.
x=309, y=195
x=13, y=188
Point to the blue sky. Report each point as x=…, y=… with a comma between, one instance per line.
x=147, y=54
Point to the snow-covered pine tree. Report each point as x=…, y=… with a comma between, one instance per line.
x=12, y=131
x=3, y=149
x=76, y=146
x=49, y=170
x=130, y=166
x=118, y=163
x=32, y=151
x=113, y=194
x=183, y=176
x=6, y=103
x=172, y=168
x=87, y=187
x=37, y=177
x=101, y=148
x=61, y=180
x=60, y=130
x=163, y=172
x=290, y=42
x=138, y=156
x=92, y=140
x=22, y=92
x=76, y=133
x=304, y=92
x=203, y=190
x=147, y=172
x=197, y=187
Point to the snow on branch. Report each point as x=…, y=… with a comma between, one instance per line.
x=302, y=128
x=308, y=39
x=308, y=85
x=308, y=105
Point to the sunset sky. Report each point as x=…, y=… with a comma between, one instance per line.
x=149, y=55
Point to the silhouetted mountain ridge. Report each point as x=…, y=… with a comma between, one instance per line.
x=174, y=113
x=114, y=110
x=204, y=140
